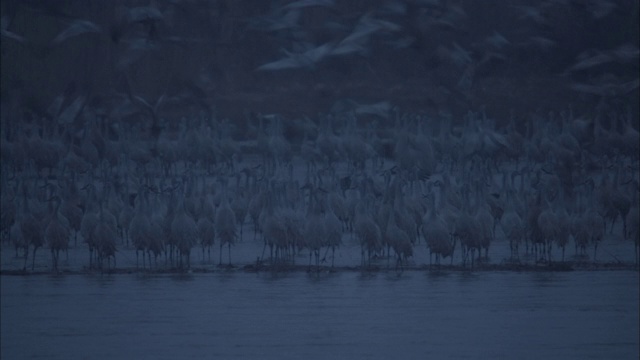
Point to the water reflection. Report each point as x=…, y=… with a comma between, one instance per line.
x=545, y=279
x=182, y=277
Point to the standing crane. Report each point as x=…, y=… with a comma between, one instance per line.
x=225, y=224
x=56, y=233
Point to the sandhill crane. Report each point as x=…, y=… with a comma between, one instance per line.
x=45, y=154
x=329, y=145
x=393, y=213
x=225, y=225
x=240, y=207
x=533, y=236
x=70, y=210
x=156, y=240
x=120, y=205
x=255, y=208
x=192, y=200
x=8, y=210
x=486, y=222
x=562, y=224
x=56, y=233
x=184, y=232
x=124, y=216
x=31, y=229
x=88, y=151
x=630, y=137
x=16, y=235
x=160, y=230
x=271, y=223
x=162, y=213
x=403, y=218
x=20, y=242
x=496, y=208
x=355, y=148
x=206, y=230
x=467, y=229
x=547, y=225
x=633, y=230
x=334, y=233
x=398, y=240
x=95, y=212
x=140, y=227
x=620, y=201
x=515, y=140
x=294, y=226
x=513, y=225
x=367, y=232
x=436, y=233
x=315, y=232
x=113, y=205
x=415, y=209
x=13, y=154
x=99, y=227
x=311, y=155
x=104, y=235
x=596, y=230
x=384, y=211
x=89, y=221
x=580, y=233
x=404, y=250
x=339, y=208
x=274, y=229
x=275, y=149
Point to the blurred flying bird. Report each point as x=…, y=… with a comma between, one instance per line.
x=606, y=89
x=357, y=40
x=460, y=56
x=600, y=8
x=367, y=26
x=588, y=59
x=143, y=13
x=148, y=17
x=530, y=13
x=626, y=53
x=8, y=34
x=308, y=3
x=75, y=28
x=276, y=21
x=541, y=42
x=497, y=40
x=307, y=59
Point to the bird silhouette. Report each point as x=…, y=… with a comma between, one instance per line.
x=225, y=224
x=56, y=233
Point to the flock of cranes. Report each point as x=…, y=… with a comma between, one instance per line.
x=123, y=175
x=541, y=183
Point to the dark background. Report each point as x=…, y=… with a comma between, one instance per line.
x=205, y=55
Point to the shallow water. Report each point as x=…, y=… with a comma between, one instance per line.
x=578, y=315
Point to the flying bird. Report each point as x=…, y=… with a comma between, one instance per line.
x=306, y=59
x=8, y=34
x=309, y=3
x=76, y=28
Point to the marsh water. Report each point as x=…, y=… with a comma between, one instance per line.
x=348, y=315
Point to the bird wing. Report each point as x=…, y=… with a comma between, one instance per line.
x=309, y=3
x=77, y=27
x=591, y=61
x=143, y=13
x=282, y=64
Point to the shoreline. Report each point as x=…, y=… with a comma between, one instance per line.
x=286, y=268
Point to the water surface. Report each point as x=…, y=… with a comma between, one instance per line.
x=348, y=315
